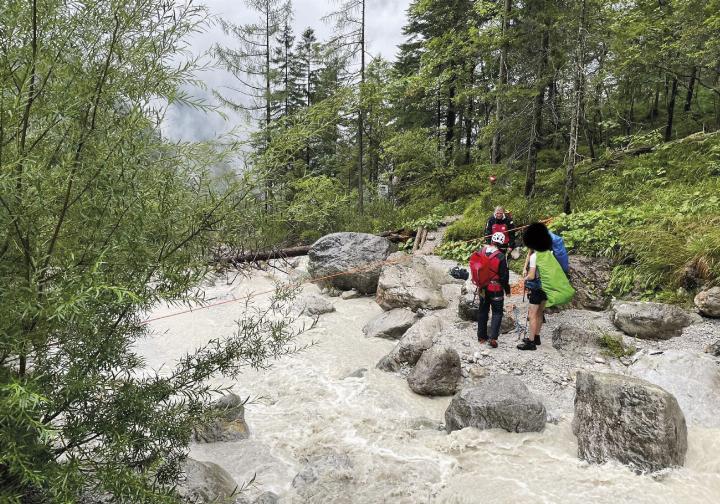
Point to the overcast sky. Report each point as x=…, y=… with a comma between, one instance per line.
x=385, y=19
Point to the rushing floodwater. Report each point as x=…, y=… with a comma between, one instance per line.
x=308, y=406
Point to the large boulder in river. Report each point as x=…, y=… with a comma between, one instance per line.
x=205, y=482
x=414, y=342
x=415, y=283
x=590, y=276
x=498, y=402
x=694, y=380
x=708, y=302
x=629, y=420
x=436, y=373
x=390, y=324
x=655, y=321
x=358, y=256
x=229, y=424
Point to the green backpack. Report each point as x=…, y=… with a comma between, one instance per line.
x=555, y=282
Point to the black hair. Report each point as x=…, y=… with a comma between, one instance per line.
x=537, y=237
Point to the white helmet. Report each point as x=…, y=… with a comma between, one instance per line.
x=498, y=238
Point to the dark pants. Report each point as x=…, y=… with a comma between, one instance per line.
x=496, y=300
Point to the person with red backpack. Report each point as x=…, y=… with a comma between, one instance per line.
x=501, y=222
x=490, y=274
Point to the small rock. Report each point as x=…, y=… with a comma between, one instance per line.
x=713, y=349
x=267, y=498
x=350, y=294
x=313, y=304
x=230, y=424
x=600, y=360
x=708, y=302
x=486, y=353
x=465, y=344
x=358, y=373
x=478, y=372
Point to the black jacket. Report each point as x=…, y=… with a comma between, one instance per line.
x=508, y=221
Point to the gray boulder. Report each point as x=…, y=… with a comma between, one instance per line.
x=436, y=373
x=571, y=339
x=628, y=420
x=694, y=380
x=414, y=342
x=415, y=283
x=205, y=482
x=713, y=349
x=498, y=402
x=590, y=277
x=228, y=426
x=655, y=321
x=390, y=324
x=357, y=255
x=708, y=302
x=315, y=304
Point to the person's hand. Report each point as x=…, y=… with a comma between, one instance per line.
x=525, y=272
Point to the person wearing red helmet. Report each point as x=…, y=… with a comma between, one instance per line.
x=492, y=295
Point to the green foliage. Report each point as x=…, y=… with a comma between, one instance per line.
x=613, y=346
x=315, y=206
x=459, y=251
x=102, y=220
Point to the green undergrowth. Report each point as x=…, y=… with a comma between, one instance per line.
x=655, y=216
x=613, y=346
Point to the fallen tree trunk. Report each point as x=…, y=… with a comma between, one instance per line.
x=267, y=255
x=394, y=236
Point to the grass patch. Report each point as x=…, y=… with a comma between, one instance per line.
x=613, y=346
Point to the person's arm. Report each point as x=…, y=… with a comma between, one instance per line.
x=488, y=230
x=504, y=274
x=531, y=266
x=527, y=260
x=511, y=233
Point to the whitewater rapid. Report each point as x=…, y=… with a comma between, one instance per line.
x=306, y=405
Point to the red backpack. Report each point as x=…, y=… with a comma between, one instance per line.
x=484, y=270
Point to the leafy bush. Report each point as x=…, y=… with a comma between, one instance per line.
x=613, y=346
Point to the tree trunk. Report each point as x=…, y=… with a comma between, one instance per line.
x=268, y=181
x=671, y=109
x=655, y=105
x=502, y=81
x=361, y=115
x=450, y=117
x=469, y=119
x=690, y=90
x=536, y=130
x=578, y=112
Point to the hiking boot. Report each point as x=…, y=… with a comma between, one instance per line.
x=482, y=341
x=493, y=343
x=537, y=340
x=527, y=345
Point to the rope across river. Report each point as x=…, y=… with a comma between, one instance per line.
x=366, y=267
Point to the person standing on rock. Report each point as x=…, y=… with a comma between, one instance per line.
x=491, y=276
x=501, y=222
x=537, y=238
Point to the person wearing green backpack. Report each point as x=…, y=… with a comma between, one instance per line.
x=545, y=280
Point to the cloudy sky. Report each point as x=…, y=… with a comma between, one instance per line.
x=385, y=19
